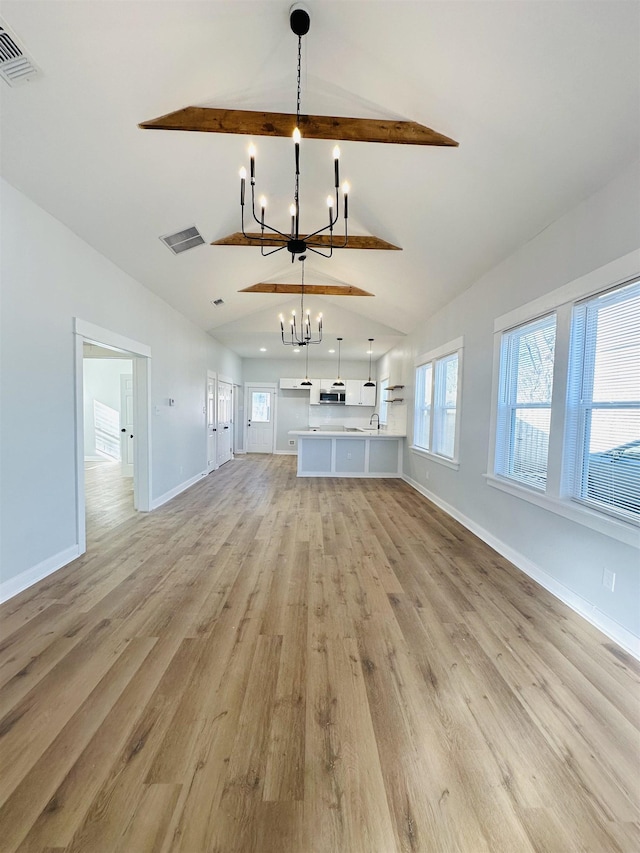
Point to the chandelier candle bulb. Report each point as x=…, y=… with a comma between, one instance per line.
x=336, y=164
x=345, y=192
x=252, y=162
x=296, y=140
x=263, y=204
x=243, y=178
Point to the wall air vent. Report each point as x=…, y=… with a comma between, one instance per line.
x=181, y=241
x=15, y=66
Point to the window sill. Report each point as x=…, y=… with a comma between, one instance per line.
x=623, y=531
x=441, y=460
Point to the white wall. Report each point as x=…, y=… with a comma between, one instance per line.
x=48, y=277
x=294, y=411
x=101, y=384
x=601, y=229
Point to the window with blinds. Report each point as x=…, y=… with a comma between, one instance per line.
x=524, y=403
x=602, y=442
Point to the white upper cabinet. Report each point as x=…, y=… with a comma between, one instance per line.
x=293, y=385
x=358, y=395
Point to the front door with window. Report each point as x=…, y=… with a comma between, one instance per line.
x=259, y=405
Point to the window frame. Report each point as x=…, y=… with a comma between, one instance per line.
x=508, y=404
x=580, y=402
x=382, y=399
x=558, y=497
x=437, y=403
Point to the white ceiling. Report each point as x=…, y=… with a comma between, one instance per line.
x=543, y=97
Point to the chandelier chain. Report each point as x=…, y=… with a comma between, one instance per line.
x=299, y=75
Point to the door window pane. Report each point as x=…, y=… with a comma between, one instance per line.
x=261, y=406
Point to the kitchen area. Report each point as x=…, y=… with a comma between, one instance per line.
x=344, y=436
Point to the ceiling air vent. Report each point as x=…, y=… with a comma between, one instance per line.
x=181, y=241
x=15, y=66
x=217, y=302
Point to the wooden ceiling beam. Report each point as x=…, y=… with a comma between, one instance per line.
x=322, y=240
x=320, y=289
x=254, y=123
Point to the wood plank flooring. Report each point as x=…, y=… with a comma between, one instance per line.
x=307, y=666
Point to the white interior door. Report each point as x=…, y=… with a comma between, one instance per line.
x=126, y=424
x=259, y=405
x=211, y=421
x=224, y=422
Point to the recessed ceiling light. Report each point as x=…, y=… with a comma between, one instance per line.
x=369, y=352
x=263, y=349
x=331, y=350
x=296, y=350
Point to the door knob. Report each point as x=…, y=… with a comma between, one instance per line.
x=123, y=429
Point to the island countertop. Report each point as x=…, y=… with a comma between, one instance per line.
x=350, y=452
x=351, y=432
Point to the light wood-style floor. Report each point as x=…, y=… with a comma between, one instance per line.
x=308, y=666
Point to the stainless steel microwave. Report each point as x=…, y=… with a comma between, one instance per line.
x=335, y=397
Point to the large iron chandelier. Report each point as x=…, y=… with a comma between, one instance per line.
x=270, y=238
x=301, y=336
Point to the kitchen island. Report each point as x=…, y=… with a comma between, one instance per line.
x=355, y=452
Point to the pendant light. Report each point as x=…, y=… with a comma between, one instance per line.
x=339, y=383
x=307, y=382
x=370, y=384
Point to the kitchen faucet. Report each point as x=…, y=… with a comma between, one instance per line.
x=374, y=415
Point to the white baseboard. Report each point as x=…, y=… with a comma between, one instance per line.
x=172, y=493
x=616, y=632
x=18, y=583
x=285, y=452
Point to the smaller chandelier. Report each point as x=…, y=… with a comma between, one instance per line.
x=296, y=243
x=301, y=336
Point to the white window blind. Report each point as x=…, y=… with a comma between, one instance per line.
x=524, y=405
x=603, y=402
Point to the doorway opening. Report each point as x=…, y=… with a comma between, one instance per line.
x=108, y=437
x=113, y=471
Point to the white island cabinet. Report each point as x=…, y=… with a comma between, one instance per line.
x=350, y=453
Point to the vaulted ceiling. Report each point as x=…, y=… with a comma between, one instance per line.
x=543, y=98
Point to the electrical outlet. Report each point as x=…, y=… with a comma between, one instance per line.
x=426, y=475
x=608, y=579
x=348, y=454
x=292, y=442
